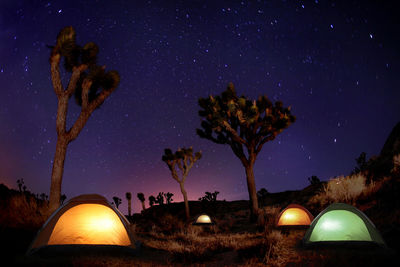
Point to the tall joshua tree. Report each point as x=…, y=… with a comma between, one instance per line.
x=183, y=159
x=90, y=85
x=142, y=199
x=245, y=125
x=128, y=196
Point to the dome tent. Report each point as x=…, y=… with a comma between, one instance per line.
x=294, y=215
x=203, y=219
x=342, y=223
x=85, y=220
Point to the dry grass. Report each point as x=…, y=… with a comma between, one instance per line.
x=201, y=243
x=282, y=249
x=345, y=189
x=268, y=216
x=23, y=211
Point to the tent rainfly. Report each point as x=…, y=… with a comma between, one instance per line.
x=342, y=223
x=294, y=215
x=85, y=220
x=203, y=219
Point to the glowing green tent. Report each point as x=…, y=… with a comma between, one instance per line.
x=342, y=223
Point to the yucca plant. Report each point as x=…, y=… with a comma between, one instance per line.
x=89, y=83
x=183, y=159
x=245, y=125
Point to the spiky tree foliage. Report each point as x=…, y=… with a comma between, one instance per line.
x=168, y=197
x=152, y=200
x=182, y=160
x=117, y=201
x=142, y=199
x=89, y=83
x=245, y=125
x=128, y=196
x=160, y=198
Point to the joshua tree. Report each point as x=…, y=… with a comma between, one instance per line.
x=245, y=125
x=160, y=198
x=314, y=180
x=20, y=183
x=62, y=199
x=152, y=200
x=168, y=197
x=91, y=86
x=117, y=201
x=183, y=159
x=142, y=199
x=128, y=196
x=210, y=197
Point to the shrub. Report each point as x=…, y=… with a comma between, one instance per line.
x=345, y=189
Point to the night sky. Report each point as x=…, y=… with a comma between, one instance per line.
x=336, y=63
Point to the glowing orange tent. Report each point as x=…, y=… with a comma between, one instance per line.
x=295, y=215
x=85, y=220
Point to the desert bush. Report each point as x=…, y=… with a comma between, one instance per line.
x=345, y=189
x=23, y=210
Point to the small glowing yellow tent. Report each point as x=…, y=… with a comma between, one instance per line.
x=85, y=220
x=295, y=215
x=203, y=219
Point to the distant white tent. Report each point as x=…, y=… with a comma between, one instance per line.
x=203, y=219
x=85, y=220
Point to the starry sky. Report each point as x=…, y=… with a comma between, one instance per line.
x=336, y=63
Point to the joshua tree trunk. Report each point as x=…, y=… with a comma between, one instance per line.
x=143, y=207
x=57, y=173
x=251, y=186
x=186, y=201
x=129, y=208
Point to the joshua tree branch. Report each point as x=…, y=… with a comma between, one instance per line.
x=85, y=93
x=76, y=73
x=233, y=133
x=263, y=141
x=55, y=73
x=179, y=164
x=62, y=108
x=100, y=99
